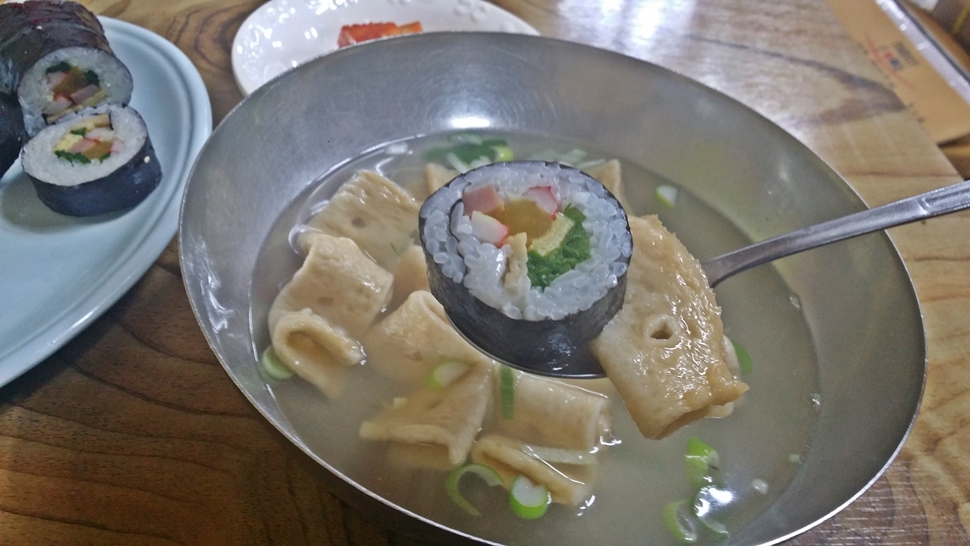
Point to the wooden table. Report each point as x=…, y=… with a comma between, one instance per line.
x=132, y=433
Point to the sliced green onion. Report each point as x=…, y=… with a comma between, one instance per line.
x=744, y=359
x=590, y=164
x=545, y=155
x=507, y=392
x=480, y=162
x=503, y=153
x=680, y=521
x=572, y=157
x=271, y=364
x=563, y=456
x=528, y=499
x=706, y=503
x=698, y=460
x=491, y=477
x=456, y=163
x=667, y=195
x=697, y=470
x=445, y=374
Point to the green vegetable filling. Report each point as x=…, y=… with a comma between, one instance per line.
x=79, y=157
x=90, y=76
x=62, y=66
x=74, y=158
x=573, y=251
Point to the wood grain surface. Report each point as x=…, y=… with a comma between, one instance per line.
x=132, y=434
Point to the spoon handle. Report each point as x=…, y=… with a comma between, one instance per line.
x=925, y=205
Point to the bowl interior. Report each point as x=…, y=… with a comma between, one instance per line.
x=860, y=350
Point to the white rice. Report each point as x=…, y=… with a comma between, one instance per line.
x=41, y=163
x=34, y=92
x=481, y=267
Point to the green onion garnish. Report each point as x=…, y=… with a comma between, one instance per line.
x=503, y=153
x=507, y=391
x=468, y=150
x=486, y=473
x=445, y=374
x=680, y=521
x=667, y=195
x=744, y=359
x=706, y=503
x=271, y=364
x=698, y=461
x=528, y=499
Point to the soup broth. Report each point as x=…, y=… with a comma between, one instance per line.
x=759, y=444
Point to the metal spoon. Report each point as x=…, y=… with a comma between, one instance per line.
x=918, y=207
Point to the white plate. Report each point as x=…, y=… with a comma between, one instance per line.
x=283, y=34
x=57, y=274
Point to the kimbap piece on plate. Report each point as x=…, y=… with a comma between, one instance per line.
x=528, y=259
x=11, y=131
x=55, y=59
x=96, y=161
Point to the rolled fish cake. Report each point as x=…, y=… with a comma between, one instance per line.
x=665, y=351
x=528, y=259
x=318, y=318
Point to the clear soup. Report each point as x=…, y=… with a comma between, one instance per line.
x=760, y=443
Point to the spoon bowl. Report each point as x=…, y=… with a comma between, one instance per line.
x=583, y=364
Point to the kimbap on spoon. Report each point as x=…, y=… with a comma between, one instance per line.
x=494, y=226
x=529, y=260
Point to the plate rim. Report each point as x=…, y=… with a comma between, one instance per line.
x=246, y=87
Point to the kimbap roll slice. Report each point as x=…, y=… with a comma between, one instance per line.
x=55, y=59
x=11, y=131
x=528, y=259
x=94, y=162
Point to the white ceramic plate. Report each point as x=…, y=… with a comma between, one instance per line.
x=283, y=34
x=57, y=273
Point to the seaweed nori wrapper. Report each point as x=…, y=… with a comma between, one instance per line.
x=547, y=347
x=31, y=30
x=124, y=188
x=12, y=134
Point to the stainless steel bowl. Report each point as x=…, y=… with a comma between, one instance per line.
x=856, y=297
